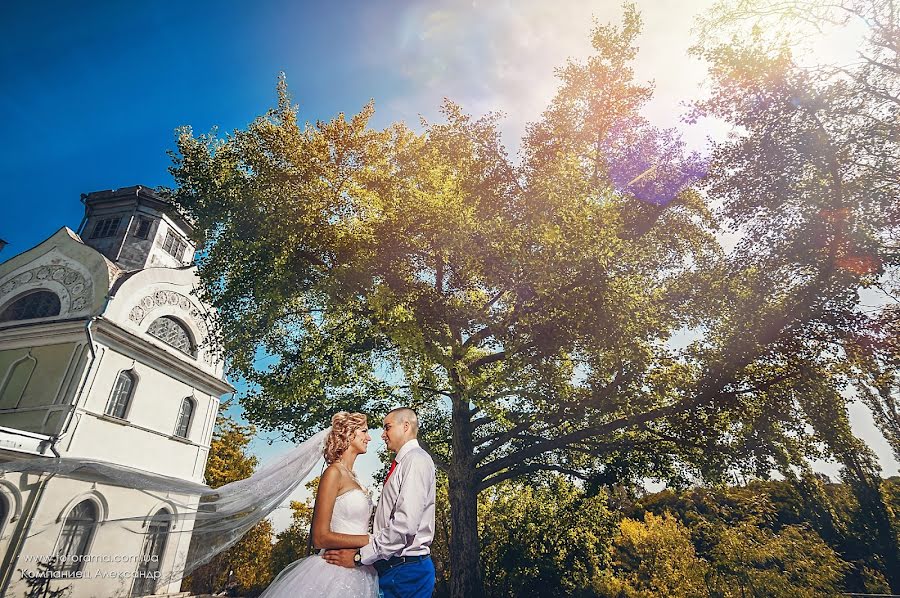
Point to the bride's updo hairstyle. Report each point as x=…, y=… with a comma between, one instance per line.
x=343, y=425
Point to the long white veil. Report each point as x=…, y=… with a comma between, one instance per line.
x=215, y=518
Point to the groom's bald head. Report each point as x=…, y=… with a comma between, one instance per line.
x=400, y=426
x=405, y=414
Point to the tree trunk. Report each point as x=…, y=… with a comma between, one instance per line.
x=465, y=547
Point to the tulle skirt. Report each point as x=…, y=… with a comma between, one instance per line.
x=314, y=577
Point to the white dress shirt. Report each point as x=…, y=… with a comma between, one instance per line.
x=404, y=519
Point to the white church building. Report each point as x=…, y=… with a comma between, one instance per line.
x=103, y=356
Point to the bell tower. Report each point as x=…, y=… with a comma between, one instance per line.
x=135, y=228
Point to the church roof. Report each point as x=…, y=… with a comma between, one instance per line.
x=115, y=272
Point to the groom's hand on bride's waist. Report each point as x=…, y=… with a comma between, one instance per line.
x=342, y=557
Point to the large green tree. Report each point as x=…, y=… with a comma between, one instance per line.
x=527, y=308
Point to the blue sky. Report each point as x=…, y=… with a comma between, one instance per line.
x=92, y=92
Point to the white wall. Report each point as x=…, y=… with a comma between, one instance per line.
x=111, y=542
x=145, y=438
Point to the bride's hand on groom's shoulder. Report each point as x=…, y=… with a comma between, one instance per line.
x=343, y=557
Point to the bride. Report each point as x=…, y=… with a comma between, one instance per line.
x=340, y=520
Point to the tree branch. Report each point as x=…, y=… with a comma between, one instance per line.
x=532, y=468
x=477, y=337
x=487, y=360
x=583, y=434
x=500, y=438
x=483, y=420
x=436, y=391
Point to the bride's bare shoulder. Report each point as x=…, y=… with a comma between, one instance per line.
x=336, y=476
x=332, y=476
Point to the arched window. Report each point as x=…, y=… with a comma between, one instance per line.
x=184, y=418
x=121, y=395
x=151, y=554
x=76, y=535
x=173, y=333
x=36, y=304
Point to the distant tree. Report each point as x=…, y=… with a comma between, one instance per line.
x=653, y=557
x=228, y=460
x=752, y=560
x=251, y=559
x=247, y=564
x=720, y=548
x=293, y=542
x=545, y=537
x=821, y=520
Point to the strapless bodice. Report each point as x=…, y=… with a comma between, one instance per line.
x=352, y=511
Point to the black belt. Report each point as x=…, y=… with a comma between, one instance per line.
x=395, y=561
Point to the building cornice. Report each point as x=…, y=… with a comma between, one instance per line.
x=29, y=334
x=34, y=334
x=21, y=441
x=130, y=424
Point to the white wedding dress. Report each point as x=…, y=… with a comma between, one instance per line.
x=313, y=577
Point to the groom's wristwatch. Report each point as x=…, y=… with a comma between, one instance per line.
x=357, y=558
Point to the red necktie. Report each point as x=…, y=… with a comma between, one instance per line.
x=390, y=471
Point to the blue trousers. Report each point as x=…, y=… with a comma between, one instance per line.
x=411, y=580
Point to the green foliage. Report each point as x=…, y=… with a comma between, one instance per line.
x=377, y=267
x=546, y=538
x=835, y=511
x=795, y=561
x=813, y=182
x=657, y=557
x=251, y=559
x=440, y=546
x=292, y=542
x=807, y=529
x=228, y=461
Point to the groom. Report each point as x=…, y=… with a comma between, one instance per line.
x=404, y=520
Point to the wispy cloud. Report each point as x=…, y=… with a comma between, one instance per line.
x=501, y=56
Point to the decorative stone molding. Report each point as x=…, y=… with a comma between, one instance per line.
x=179, y=302
x=161, y=298
x=78, y=287
x=93, y=495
